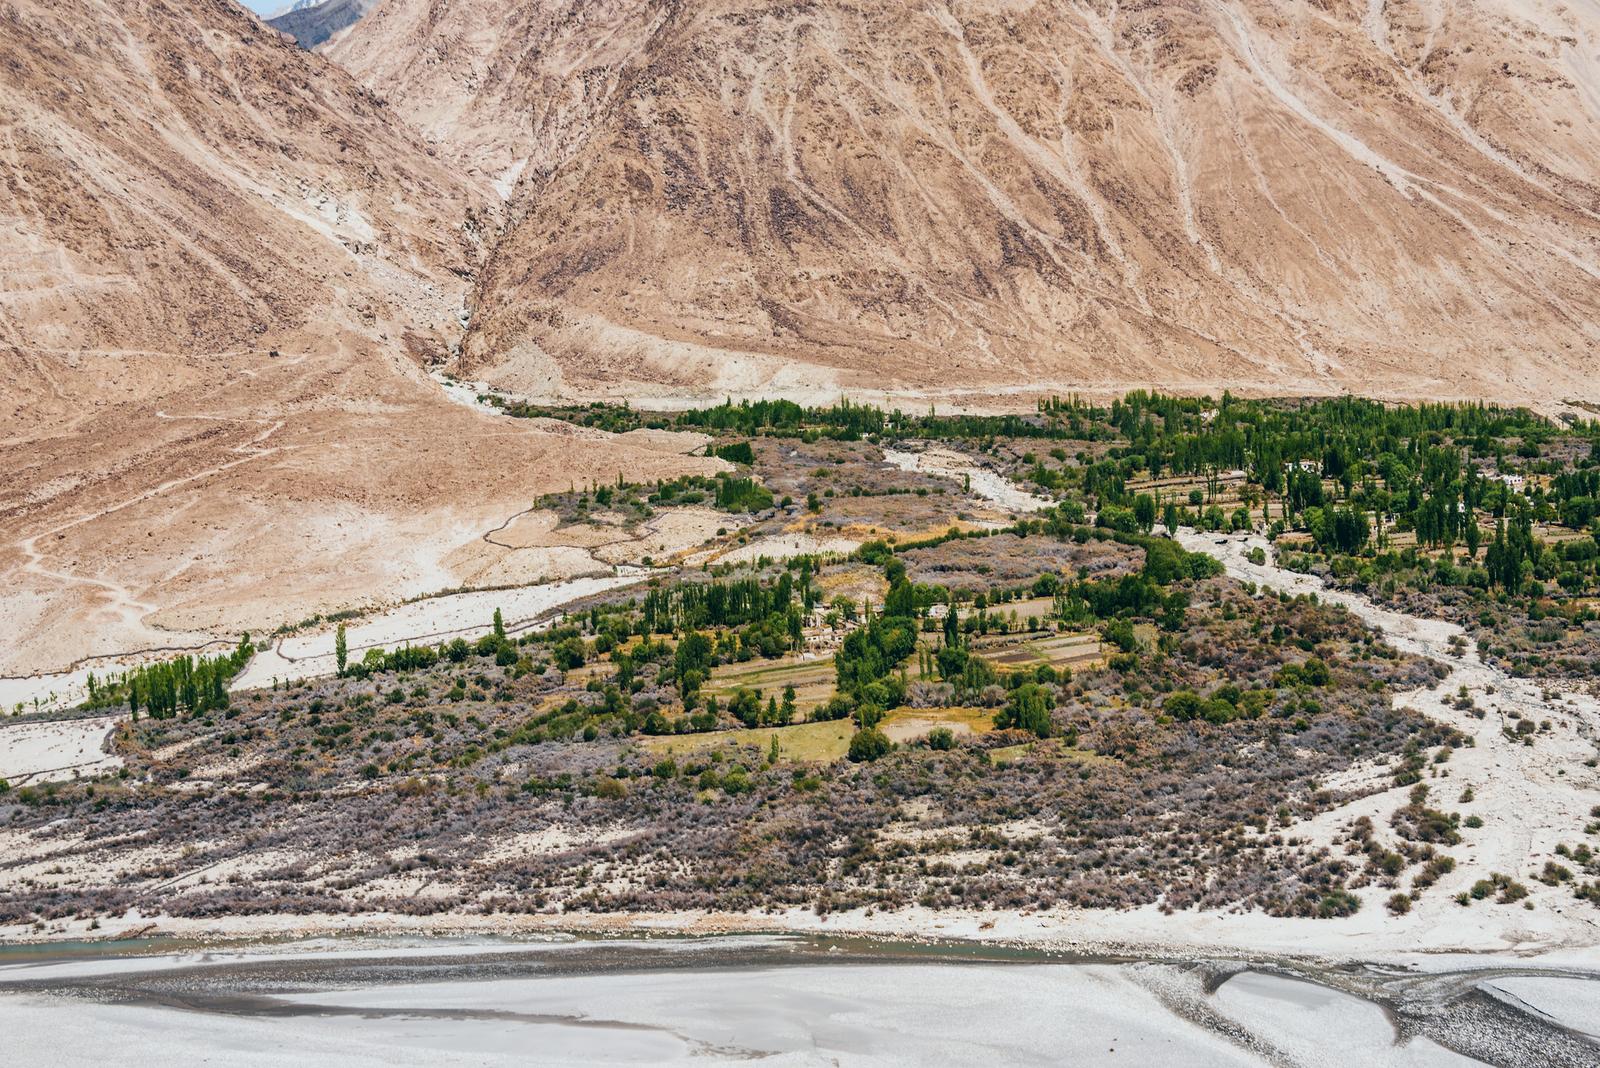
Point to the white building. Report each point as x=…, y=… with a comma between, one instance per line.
x=1513, y=482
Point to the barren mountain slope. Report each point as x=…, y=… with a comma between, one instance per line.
x=724, y=195
x=220, y=262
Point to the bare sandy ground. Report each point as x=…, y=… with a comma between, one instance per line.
x=532, y=546
x=1572, y=1005
x=709, y=1001
x=259, y=489
x=989, y=485
x=596, y=557
x=213, y=517
x=55, y=749
x=526, y=565
x=785, y=546
x=1371, y=935
x=1530, y=797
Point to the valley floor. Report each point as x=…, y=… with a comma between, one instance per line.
x=1532, y=797
x=346, y=850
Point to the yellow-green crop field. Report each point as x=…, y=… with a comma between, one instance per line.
x=813, y=680
x=824, y=741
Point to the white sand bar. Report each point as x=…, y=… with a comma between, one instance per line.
x=1570, y=1002
x=1317, y=1026
x=811, y=1014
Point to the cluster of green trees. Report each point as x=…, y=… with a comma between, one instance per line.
x=868, y=667
x=1185, y=435
x=738, y=452
x=730, y=493
x=746, y=706
x=1142, y=593
x=769, y=615
x=868, y=662
x=186, y=683
x=1028, y=708
x=1352, y=472
x=1511, y=553
x=1342, y=530
x=742, y=495
x=846, y=421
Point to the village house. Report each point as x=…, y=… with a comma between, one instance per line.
x=1514, y=482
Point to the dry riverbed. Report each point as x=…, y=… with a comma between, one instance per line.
x=785, y=1000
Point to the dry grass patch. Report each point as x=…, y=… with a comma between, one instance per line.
x=910, y=724
x=1025, y=650
x=822, y=742
x=828, y=740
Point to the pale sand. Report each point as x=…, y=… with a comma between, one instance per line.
x=463, y=615
x=668, y=1001
x=474, y=395
x=55, y=749
x=914, y=1014
x=669, y=535
x=989, y=485
x=785, y=546
x=814, y=1013
x=1323, y=1028
x=548, y=565
x=1370, y=935
x=611, y=551
x=1574, y=1005
x=1530, y=797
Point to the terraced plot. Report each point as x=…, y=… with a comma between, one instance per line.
x=812, y=679
x=826, y=740
x=1057, y=650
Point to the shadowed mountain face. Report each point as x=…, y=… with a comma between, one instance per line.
x=310, y=24
x=715, y=195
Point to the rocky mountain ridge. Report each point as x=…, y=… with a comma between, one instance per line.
x=1394, y=198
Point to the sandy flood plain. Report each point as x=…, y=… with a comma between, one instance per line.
x=1531, y=798
x=55, y=749
x=779, y=1000
x=528, y=566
